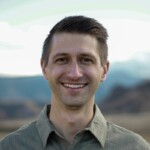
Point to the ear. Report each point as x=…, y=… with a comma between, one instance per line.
x=105, y=71
x=43, y=67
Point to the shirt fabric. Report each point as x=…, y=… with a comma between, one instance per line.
x=99, y=135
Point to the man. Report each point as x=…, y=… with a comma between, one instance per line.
x=74, y=62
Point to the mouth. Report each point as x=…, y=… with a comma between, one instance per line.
x=74, y=86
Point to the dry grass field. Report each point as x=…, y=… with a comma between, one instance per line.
x=8, y=126
x=139, y=123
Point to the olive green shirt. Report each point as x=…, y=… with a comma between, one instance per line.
x=99, y=135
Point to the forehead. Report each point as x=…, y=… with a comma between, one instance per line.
x=73, y=43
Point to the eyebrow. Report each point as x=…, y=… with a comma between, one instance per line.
x=82, y=55
x=88, y=55
x=60, y=54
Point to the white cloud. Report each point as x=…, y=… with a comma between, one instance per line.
x=11, y=35
x=20, y=50
x=127, y=38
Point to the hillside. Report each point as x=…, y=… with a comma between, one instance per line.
x=36, y=88
x=128, y=100
x=33, y=88
x=118, y=94
x=135, y=99
x=18, y=110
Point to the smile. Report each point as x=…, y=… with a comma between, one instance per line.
x=74, y=86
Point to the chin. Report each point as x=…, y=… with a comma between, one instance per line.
x=75, y=101
x=74, y=105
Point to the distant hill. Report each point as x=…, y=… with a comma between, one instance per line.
x=116, y=78
x=17, y=109
x=121, y=100
x=35, y=88
x=24, y=88
x=123, y=91
x=128, y=100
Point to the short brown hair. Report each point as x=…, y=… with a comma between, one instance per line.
x=78, y=24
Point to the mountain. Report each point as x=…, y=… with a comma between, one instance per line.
x=123, y=91
x=24, y=88
x=128, y=100
x=135, y=99
x=116, y=78
x=126, y=73
x=20, y=109
x=35, y=88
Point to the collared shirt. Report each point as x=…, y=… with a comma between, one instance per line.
x=99, y=135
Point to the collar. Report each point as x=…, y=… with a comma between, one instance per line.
x=98, y=126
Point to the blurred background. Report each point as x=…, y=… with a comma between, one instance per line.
x=124, y=98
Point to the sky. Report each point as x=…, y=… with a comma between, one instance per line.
x=25, y=24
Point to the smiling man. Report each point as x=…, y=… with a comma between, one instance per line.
x=74, y=72
x=74, y=62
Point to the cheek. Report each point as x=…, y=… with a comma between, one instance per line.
x=56, y=72
x=93, y=72
x=89, y=76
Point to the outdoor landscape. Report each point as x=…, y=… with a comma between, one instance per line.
x=124, y=99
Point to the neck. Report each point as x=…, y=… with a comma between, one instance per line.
x=69, y=121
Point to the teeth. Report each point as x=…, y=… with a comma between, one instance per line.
x=74, y=86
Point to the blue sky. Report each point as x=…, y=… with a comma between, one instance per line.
x=25, y=24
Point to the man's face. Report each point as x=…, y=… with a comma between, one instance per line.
x=74, y=69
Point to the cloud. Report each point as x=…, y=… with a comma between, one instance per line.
x=127, y=38
x=20, y=50
x=11, y=36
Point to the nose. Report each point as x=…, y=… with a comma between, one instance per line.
x=74, y=71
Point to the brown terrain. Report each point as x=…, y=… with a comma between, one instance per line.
x=127, y=107
x=130, y=108
x=128, y=100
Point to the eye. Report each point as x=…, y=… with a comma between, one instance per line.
x=87, y=60
x=61, y=60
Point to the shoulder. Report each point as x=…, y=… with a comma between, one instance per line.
x=125, y=138
x=23, y=136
